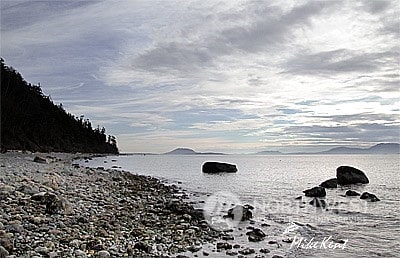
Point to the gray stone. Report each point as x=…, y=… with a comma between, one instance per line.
x=330, y=183
x=369, y=196
x=3, y=252
x=317, y=191
x=347, y=175
x=351, y=193
x=103, y=254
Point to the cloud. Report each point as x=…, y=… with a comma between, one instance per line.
x=340, y=60
x=375, y=6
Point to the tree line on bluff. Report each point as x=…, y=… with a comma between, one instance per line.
x=31, y=121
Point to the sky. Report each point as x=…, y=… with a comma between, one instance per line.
x=226, y=76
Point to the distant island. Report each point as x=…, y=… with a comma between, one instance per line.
x=381, y=148
x=30, y=121
x=187, y=151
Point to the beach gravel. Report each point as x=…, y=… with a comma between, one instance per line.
x=54, y=209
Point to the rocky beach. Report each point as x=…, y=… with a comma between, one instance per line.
x=51, y=208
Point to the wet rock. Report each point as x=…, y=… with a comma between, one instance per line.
x=217, y=167
x=227, y=237
x=7, y=243
x=347, y=175
x=318, y=203
x=351, y=193
x=103, y=254
x=369, y=196
x=240, y=212
x=256, y=235
x=330, y=183
x=38, y=159
x=224, y=245
x=247, y=251
x=317, y=191
x=143, y=247
x=28, y=189
x=231, y=252
x=54, y=204
x=3, y=252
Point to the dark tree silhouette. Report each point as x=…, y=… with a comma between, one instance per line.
x=31, y=121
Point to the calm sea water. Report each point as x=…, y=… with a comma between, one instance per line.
x=271, y=184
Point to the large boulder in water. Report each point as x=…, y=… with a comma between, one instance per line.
x=317, y=191
x=217, y=167
x=347, y=175
x=330, y=183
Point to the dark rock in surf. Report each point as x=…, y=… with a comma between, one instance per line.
x=318, y=203
x=256, y=235
x=351, y=193
x=240, y=212
x=317, y=191
x=330, y=183
x=217, y=167
x=347, y=175
x=369, y=196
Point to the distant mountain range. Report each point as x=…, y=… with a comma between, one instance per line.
x=381, y=148
x=187, y=151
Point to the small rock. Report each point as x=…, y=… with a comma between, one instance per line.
x=317, y=191
x=3, y=252
x=142, y=247
x=256, y=235
x=231, y=252
x=247, y=251
x=240, y=212
x=224, y=245
x=369, y=196
x=80, y=253
x=38, y=159
x=103, y=254
x=330, y=183
x=264, y=250
x=351, y=193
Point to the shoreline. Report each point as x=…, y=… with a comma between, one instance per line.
x=60, y=210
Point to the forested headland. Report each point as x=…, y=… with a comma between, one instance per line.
x=31, y=121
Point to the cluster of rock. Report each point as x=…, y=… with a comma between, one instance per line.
x=345, y=175
x=57, y=210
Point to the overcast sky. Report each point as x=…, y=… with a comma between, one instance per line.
x=231, y=76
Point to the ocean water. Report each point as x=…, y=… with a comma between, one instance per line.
x=271, y=184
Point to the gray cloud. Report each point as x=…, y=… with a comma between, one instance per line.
x=270, y=26
x=375, y=6
x=339, y=61
x=364, y=132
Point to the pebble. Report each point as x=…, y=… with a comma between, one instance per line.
x=57, y=210
x=103, y=254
